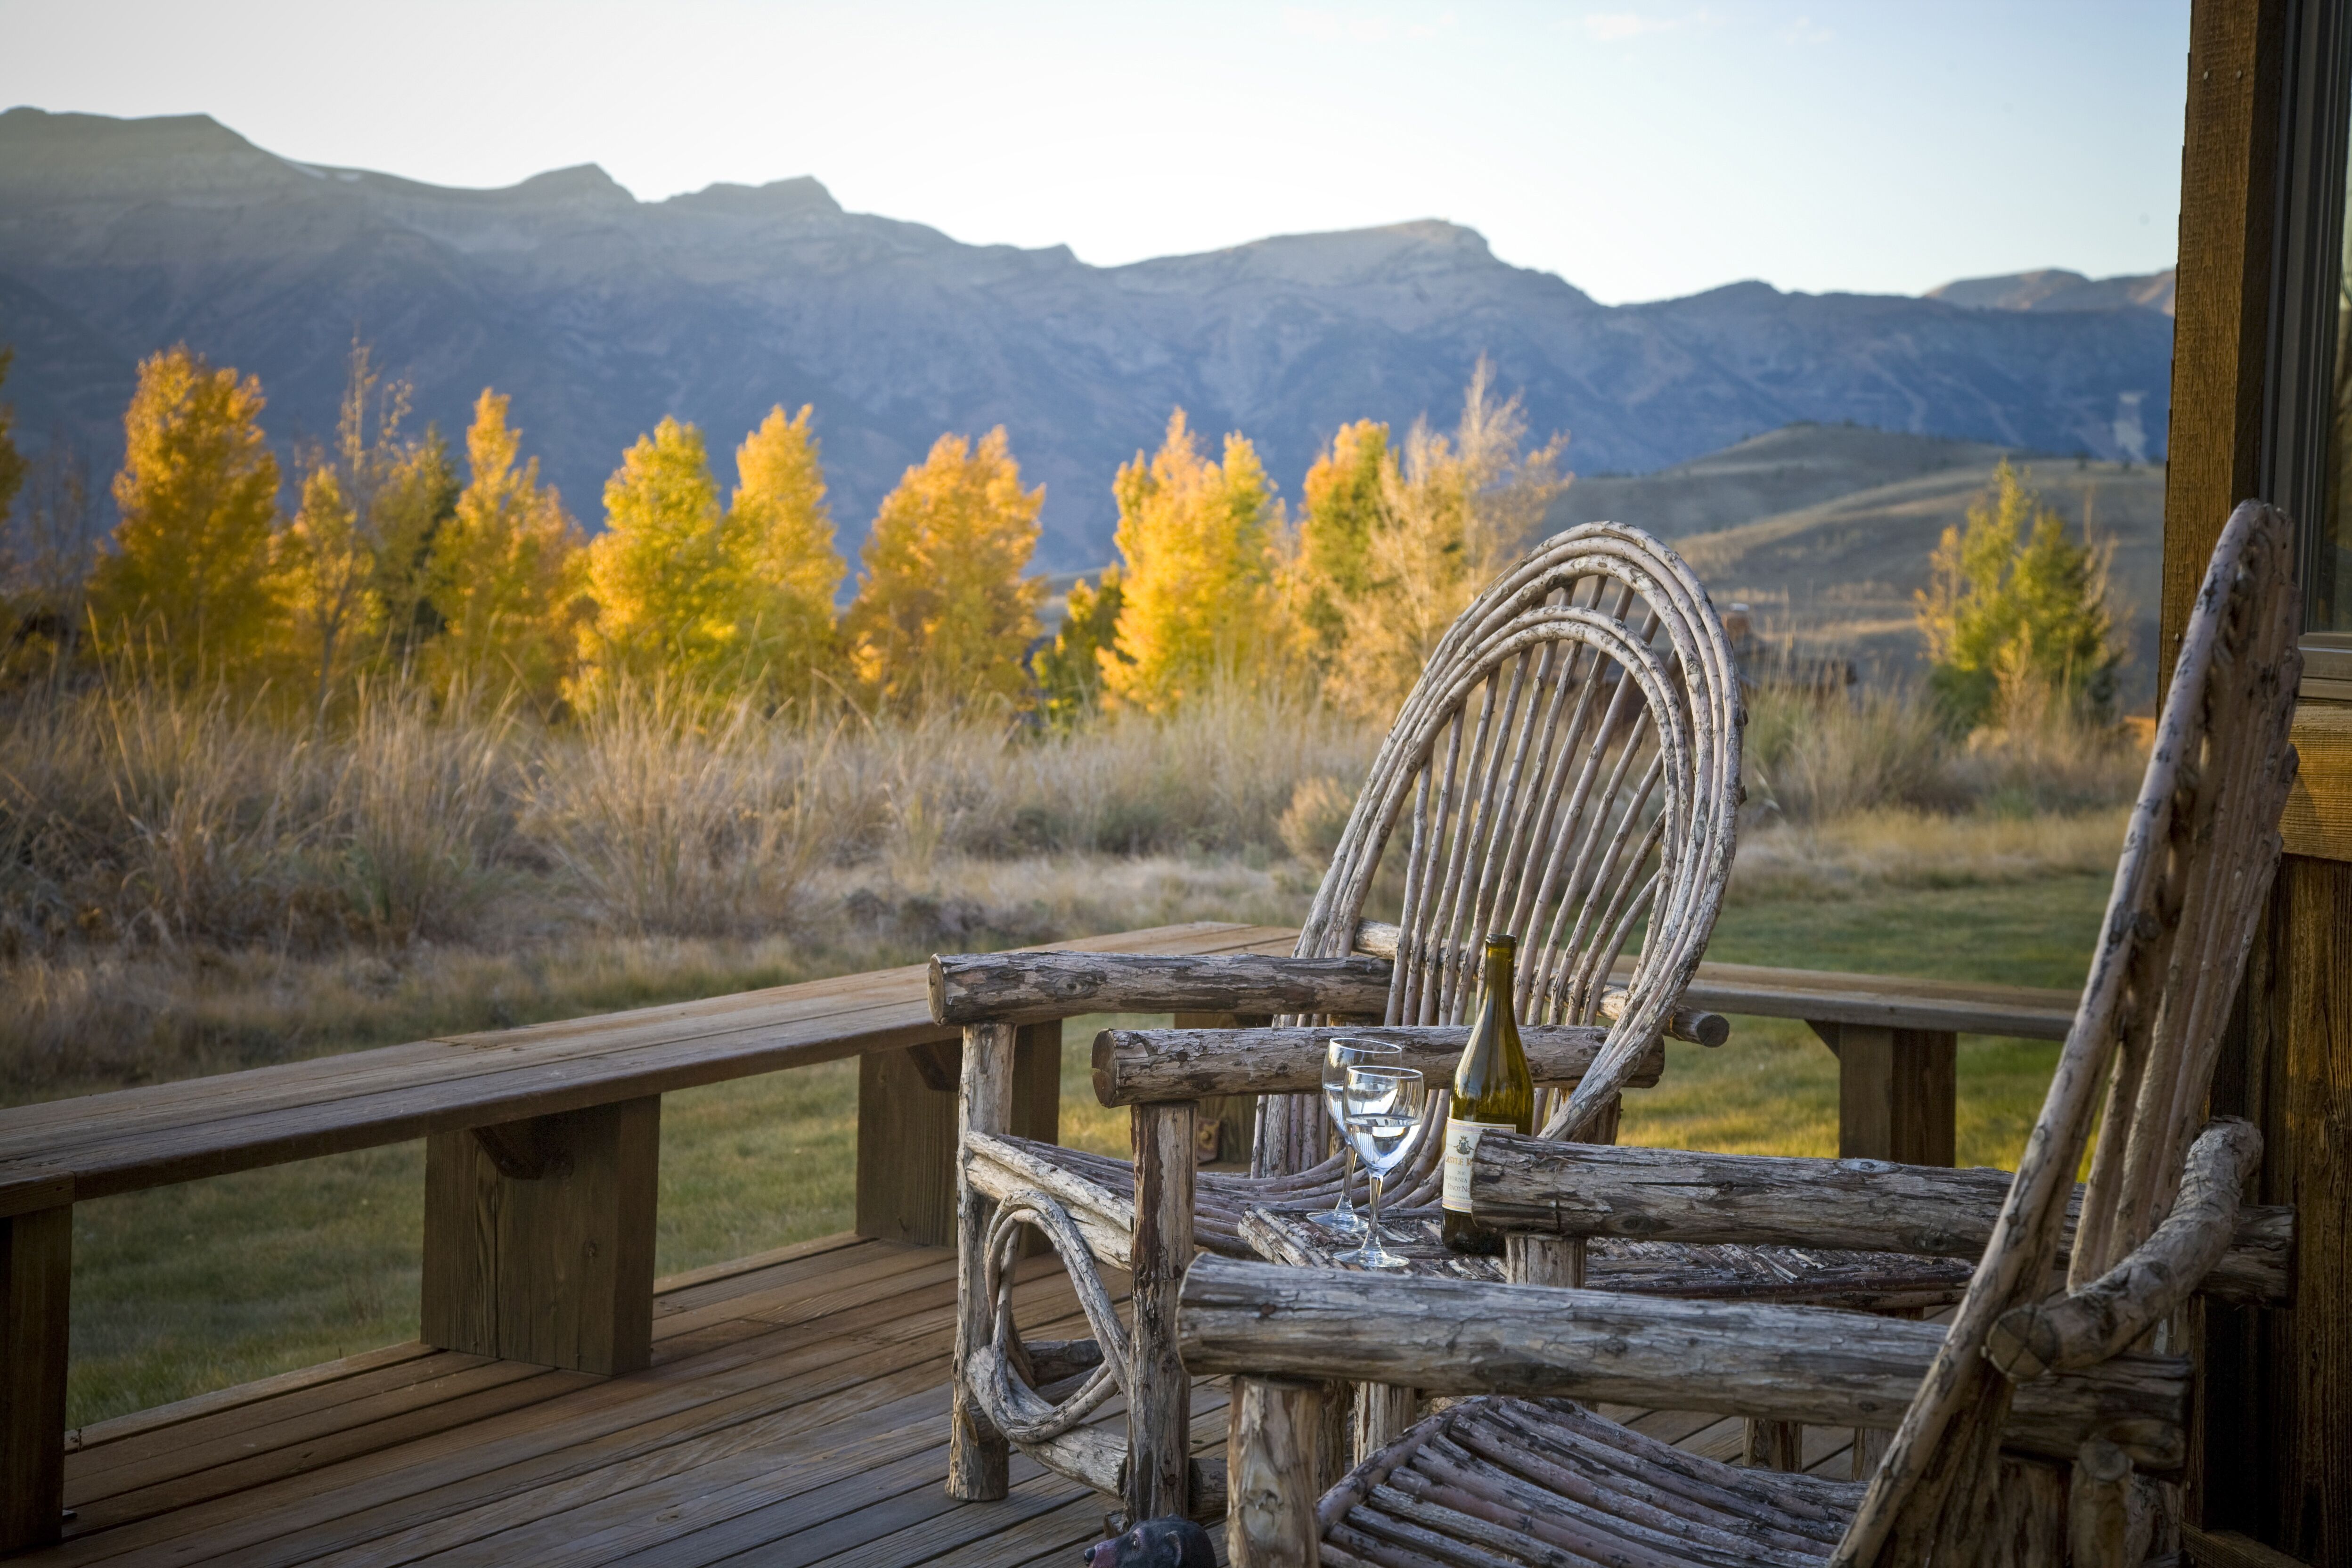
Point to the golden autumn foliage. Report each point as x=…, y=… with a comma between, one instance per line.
x=944, y=614
x=660, y=571
x=505, y=575
x=188, y=583
x=780, y=537
x=1200, y=544
x=1342, y=505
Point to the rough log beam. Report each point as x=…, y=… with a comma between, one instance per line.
x=1789, y=1363
x=2161, y=1273
x=1028, y=987
x=1699, y=1027
x=1533, y=1185
x=1137, y=1067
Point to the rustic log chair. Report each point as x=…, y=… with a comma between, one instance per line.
x=1569, y=763
x=2038, y=1428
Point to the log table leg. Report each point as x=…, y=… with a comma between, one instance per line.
x=35, y=1276
x=1160, y=1393
x=1269, y=1470
x=538, y=1239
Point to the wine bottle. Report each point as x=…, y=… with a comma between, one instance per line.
x=1492, y=1088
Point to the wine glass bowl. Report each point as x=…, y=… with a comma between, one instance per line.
x=1342, y=1052
x=1383, y=1110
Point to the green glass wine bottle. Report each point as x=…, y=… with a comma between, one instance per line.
x=1492, y=1088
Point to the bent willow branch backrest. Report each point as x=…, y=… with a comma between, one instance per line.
x=1568, y=769
x=2198, y=857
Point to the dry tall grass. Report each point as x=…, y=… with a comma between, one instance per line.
x=186, y=885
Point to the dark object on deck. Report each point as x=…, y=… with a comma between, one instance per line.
x=1155, y=1543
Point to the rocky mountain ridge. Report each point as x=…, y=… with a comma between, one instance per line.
x=600, y=314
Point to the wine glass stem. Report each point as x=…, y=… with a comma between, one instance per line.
x=1347, y=1180
x=1372, y=1243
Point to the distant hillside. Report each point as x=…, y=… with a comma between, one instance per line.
x=600, y=314
x=2054, y=288
x=1826, y=531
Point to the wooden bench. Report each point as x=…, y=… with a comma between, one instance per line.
x=542, y=1146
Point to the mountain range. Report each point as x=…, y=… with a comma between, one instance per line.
x=600, y=314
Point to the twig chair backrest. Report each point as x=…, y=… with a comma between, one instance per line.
x=1569, y=763
x=2199, y=858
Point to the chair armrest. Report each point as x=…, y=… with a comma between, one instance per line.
x=1030, y=987
x=1541, y=1186
x=1815, y=1364
x=1135, y=1067
x=2106, y=1315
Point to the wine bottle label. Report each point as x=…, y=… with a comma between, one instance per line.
x=1461, y=1145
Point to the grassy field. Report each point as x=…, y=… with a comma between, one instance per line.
x=190, y=1288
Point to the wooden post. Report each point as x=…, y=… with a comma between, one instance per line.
x=1269, y=1474
x=907, y=1130
x=1897, y=1093
x=1160, y=1392
x=979, y=1464
x=1227, y=1121
x=538, y=1239
x=1775, y=1445
x=36, y=1277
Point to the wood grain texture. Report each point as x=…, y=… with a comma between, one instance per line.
x=1792, y=1364
x=2231, y=1548
x=2317, y=821
x=557, y=1270
x=907, y=1132
x=1159, y=1392
x=36, y=1275
x=1898, y=1092
x=1022, y=987
x=1269, y=1468
x=1132, y=1067
x=978, y=1455
x=1523, y=1184
x=136, y=1138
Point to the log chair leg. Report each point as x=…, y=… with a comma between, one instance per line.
x=1269, y=1468
x=36, y=1277
x=1775, y=1445
x=1159, y=1394
x=1383, y=1411
x=2098, y=1506
x=979, y=1462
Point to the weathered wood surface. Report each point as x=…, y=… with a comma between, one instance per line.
x=1023, y=987
x=1135, y=1067
x=135, y=1138
x=2106, y=1316
x=1379, y=939
x=1158, y=1393
x=977, y=1455
x=1864, y=1281
x=557, y=1268
x=1866, y=1206
x=1269, y=1466
x=36, y=1273
x=907, y=1130
x=1898, y=1092
x=1790, y=1364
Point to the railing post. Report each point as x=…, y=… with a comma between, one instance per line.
x=35, y=1295
x=1897, y=1093
x=1160, y=1393
x=907, y=1139
x=539, y=1238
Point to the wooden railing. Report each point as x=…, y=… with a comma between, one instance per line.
x=542, y=1146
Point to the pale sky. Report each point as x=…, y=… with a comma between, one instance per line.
x=1638, y=151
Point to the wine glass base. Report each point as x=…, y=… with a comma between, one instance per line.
x=1364, y=1257
x=1345, y=1221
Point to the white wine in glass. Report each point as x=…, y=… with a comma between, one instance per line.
x=1346, y=1051
x=1383, y=1108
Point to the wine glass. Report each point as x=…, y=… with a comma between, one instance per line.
x=1346, y=1051
x=1383, y=1107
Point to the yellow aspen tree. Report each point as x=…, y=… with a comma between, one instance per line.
x=324, y=570
x=944, y=614
x=1200, y=542
x=780, y=542
x=188, y=581
x=1342, y=505
x=660, y=572
x=504, y=574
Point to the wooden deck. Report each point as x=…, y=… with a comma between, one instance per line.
x=795, y=1415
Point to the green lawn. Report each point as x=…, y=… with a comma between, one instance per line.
x=190, y=1287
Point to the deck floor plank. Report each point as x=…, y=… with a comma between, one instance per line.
x=796, y=1415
